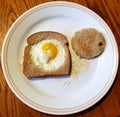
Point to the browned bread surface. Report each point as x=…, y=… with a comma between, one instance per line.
x=31, y=70
x=39, y=36
x=88, y=43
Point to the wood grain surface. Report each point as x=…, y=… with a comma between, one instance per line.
x=11, y=106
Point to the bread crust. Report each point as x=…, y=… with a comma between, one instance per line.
x=39, y=36
x=88, y=43
x=31, y=70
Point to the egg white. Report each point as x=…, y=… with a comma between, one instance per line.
x=39, y=58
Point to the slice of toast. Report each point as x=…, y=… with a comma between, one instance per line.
x=88, y=43
x=31, y=70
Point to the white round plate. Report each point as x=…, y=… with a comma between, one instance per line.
x=89, y=80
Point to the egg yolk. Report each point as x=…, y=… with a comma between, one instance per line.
x=50, y=50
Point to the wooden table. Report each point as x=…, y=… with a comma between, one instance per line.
x=11, y=106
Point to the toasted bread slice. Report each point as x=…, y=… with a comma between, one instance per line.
x=88, y=43
x=31, y=70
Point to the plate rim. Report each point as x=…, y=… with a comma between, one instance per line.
x=28, y=102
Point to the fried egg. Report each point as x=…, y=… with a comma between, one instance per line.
x=48, y=54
